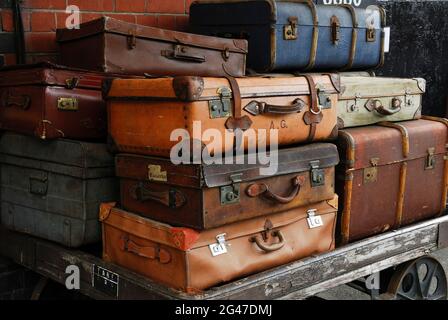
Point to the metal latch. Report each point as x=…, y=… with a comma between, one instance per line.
x=290, y=31
x=221, y=108
x=371, y=33
x=317, y=175
x=39, y=184
x=314, y=221
x=68, y=104
x=335, y=30
x=354, y=106
x=220, y=247
x=408, y=102
x=324, y=99
x=231, y=194
x=371, y=174
x=430, y=159
x=72, y=83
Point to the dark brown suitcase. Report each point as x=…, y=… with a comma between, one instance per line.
x=207, y=196
x=51, y=101
x=112, y=45
x=391, y=175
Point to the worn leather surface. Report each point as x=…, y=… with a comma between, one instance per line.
x=113, y=49
x=201, y=187
x=135, y=104
x=372, y=207
x=184, y=254
x=29, y=102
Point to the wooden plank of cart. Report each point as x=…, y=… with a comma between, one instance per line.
x=404, y=250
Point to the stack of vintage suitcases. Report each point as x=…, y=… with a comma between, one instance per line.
x=193, y=224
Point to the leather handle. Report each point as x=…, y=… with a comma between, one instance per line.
x=171, y=198
x=152, y=253
x=182, y=53
x=10, y=100
x=257, y=189
x=270, y=247
x=377, y=105
x=259, y=107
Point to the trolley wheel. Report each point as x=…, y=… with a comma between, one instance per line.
x=420, y=279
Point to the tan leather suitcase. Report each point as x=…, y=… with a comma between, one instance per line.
x=111, y=45
x=144, y=113
x=192, y=261
x=204, y=196
x=391, y=175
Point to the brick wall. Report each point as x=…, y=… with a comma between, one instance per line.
x=42, y=17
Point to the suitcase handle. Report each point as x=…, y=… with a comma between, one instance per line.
x=257, y=189
x=9, y=100
x=256, y=108
x=171, y=198
x=181, y=53
x=377, y=105
x=270, y=247
x=153, y=253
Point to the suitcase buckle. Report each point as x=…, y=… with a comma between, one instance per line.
x=314, y=221
x=290, y=31
x=371, y=174
x=317, y=174
x=335, y=30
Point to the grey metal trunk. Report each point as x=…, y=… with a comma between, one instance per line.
x=53, y=189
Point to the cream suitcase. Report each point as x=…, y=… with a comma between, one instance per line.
x=369, y=100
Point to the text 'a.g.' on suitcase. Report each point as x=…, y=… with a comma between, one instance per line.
x=288, y=110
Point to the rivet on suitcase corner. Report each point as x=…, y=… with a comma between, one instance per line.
x=220, y=247
x=314, y=221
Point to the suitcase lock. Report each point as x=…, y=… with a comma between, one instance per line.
x=231, y=194
x=371, y=173
x=221, y=108
x=371, y=32
x=430, y=159
x=290, y=31
x=335, y=30
x=317, y=174
x=39, y=184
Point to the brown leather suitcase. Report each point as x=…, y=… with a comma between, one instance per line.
x=111, y=45
x=51, y=101
x=208, y=196
x=391, y=175
x=192, y=261
x=143, y=114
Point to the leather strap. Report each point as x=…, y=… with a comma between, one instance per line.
x=237, y=121
x=313, y=117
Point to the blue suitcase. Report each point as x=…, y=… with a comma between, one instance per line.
x=296, y=34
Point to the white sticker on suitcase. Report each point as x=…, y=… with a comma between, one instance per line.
x=314, y=221
x=220, y=247
x=386, y=39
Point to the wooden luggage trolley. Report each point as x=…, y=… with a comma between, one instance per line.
x=399, y=255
